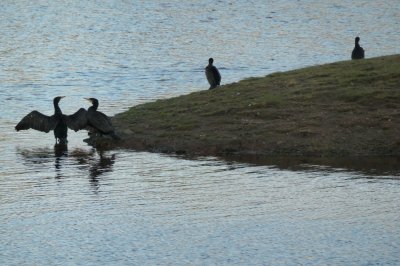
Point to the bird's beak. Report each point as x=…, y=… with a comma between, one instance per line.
x=88, y=99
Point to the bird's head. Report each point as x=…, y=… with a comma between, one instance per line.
x=211, y=61
x=357, y=39
x=89, y=99
x=58, y=99
x=93, y=101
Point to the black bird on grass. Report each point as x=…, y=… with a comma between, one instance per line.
x=358, y=51
x=92, y=120
x=38, y=121
x=212, y=74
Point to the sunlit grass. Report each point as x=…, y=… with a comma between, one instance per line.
x=310, y=110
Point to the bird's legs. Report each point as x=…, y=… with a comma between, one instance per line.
x=61, y=141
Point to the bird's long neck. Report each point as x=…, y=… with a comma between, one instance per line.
x=57, y=109
x=94, y=106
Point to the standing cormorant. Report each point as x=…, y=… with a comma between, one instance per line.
x=358, y=51
x=92, y=120
x=212, y=74
x=99, y=121
x=44, y=123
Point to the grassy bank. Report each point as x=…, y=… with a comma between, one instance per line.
x=347, y=108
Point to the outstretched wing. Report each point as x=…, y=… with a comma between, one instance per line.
x=37, y=121
x=100, y=121
x=76, y=121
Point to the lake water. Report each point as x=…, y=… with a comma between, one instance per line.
x=121, y=207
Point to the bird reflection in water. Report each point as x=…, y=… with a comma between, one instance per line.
x=60, y=153
x=95, y=161
x=39, y=157
x=98, y=166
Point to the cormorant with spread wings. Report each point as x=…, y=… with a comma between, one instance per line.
x=56, y=122
x=92, y=120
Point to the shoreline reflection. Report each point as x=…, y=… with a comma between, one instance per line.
x=372, y=166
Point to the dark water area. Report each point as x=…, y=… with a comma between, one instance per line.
x=83, y=206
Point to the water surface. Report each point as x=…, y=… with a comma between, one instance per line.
x=89, y=207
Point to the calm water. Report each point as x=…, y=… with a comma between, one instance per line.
x=89, y=207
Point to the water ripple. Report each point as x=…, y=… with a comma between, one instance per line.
x=93, y=207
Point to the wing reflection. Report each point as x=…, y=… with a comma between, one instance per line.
x=38, y=158
x=95, y=162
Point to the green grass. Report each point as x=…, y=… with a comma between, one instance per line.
x=340, y=108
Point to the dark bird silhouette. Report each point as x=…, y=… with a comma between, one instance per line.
x=212, y=74
x=358, y=51
x=92, y=120
x=38, y=121
x=98, y=120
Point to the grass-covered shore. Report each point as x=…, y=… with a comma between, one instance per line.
x=349, y=108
